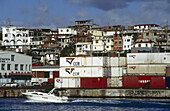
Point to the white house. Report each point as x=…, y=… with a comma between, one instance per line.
x=146, y=26
x=109, y=43
x=127, y=41
x=98, y=44
x=83, y=48
x=103, y=44
x=144, y=43
x=110, y=33
x=67, y=31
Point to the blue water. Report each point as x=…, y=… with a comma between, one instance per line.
x=21, y=104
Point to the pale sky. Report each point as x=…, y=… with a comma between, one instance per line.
x=63, y=13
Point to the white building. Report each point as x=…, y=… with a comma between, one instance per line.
x=67, y=31
x=144, y=43
x=64, y=35
x=103, y=44
x=109, y=43
x=111, y=33
x=127, y=42
x=14, y=37
x=95, y=32
x=98, y=44
x=83, y=48
x=15, y=66
x=146, y=27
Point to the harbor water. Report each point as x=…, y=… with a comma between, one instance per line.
x=21, y=104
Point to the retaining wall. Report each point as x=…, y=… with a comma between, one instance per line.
x=96, y=93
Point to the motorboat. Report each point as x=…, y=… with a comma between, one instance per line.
x=45, y=97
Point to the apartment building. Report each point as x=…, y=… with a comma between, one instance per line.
x=15, y=38
x=127, y=41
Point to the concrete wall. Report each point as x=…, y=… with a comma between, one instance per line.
x=125, y=93
x=97, y=93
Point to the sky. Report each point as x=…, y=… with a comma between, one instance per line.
x=63, y=13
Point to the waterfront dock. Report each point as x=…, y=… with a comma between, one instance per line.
x=96, y=93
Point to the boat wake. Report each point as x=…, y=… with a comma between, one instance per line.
x=35, y=101
x=32, y=101
x=100, y=101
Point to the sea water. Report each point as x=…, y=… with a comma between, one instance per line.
x=21, y=104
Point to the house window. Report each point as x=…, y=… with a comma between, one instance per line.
x=128, y=40
x=21, y=67
x=139, y=45
x=97, y=41
x=120, y=42
x=26, y=67
x=155, y=34
x=5, y=75
x=107, y=46
x=6, y=35
x=67, y=30
x=146, y=45
x=61, y=30
x=18, y=35
x=8, y=66
x=108, y=41
x=12, y=57
x=2, y=67
x=16, y=67
x=29, y=67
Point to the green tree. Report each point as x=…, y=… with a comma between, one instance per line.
x=135, y=37
x=68, y=50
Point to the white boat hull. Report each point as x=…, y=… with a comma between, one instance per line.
x=44, y=97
